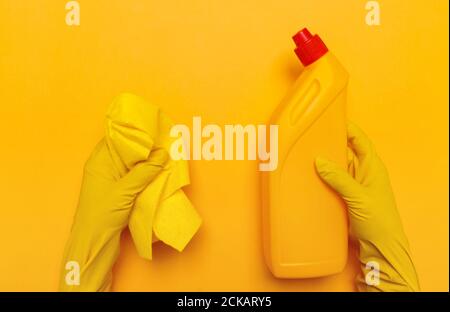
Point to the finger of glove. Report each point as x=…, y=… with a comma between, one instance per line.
x=338, y=179
x=358, y=141
x=351, y=162
x=365, y=154
x=143, y=173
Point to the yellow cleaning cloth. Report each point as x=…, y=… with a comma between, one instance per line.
x=162, y=211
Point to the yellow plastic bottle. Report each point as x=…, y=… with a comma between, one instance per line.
x=304, y=221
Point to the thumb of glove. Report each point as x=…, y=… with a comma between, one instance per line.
x=143, y=173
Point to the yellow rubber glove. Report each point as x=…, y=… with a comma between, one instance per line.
x=103, y=210
x=135, y=129
x=374, y=220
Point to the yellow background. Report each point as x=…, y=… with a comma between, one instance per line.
x=229, y=62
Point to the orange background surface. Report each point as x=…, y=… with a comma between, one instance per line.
x=228, y=62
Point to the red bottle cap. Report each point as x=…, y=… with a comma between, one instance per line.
x=309, y=48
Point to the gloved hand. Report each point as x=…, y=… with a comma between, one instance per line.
x=374, y=220
x=103, y=210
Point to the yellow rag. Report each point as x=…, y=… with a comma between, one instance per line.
x=134, y=128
